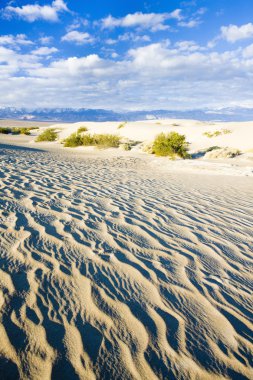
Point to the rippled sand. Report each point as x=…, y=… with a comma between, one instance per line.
x=110, y=269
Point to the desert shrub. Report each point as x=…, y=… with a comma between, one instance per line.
x=217, y=133
x=20, y=131
x=211, y=148
x=126, y=146
x=226, y=131
x=82, y=129
x=99, y=140
x=16, y=130
x=171, y=144
x=48, y=135
x=88, y=140
x=25, y=131
x=5, y=130
x=73, y=140
x=122, y=125
x=106, y=140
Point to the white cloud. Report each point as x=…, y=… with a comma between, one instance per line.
x=78, y=38
x=248, y=52
x=19, y=39
x=45, y=50
x=45, y=40
x=128, y=37
x=159, y=75
x=187, y=46
x=190, y=24
x=233, y=33
x=33, y=12
x=152, y=21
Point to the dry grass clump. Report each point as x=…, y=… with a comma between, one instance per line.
x=74, y=140
x=122, y=125
x=17, y=130
x=106, y=140
x=98, y=140
x=217, y=133
x=82, y=129
x=171, y=144
x=48, y=135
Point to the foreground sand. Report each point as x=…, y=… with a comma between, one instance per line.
x=113, y=269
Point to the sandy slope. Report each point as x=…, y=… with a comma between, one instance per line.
x=110, y=269
x=241, y=136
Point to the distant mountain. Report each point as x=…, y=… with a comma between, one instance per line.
x=85, y=114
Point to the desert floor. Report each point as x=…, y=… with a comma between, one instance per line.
x=113, y=268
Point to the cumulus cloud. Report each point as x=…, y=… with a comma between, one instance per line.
x=128, y=37
x=152, y=21
x=190, y=24
x=248, y=52
x=45, y=50
x=78, y=38
x=33, y=12
x=11, y=40
x=158, y=75
x=45, y=40
x=234, y=33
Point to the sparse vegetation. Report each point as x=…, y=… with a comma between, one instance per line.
x=217, y=133
x=126, y=146
x=82, y=129
x=17, y=130
x=171, y=144
x=48, y=135
x=226, y=131
x=106, y=140
x=73, y=140
x=211, y=148
x=5, y=130
x=98, y=140
x=122, y=125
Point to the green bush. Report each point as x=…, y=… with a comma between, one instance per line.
x=217, y=133
x=17, y=130
x=48, y=135
x=106, y=140
x=171, y=144
x=88, y=140
x=82, y=129
x=20, y=131
x=5, y=130
x=99, y=140
x=73, y=140
x=211, y=148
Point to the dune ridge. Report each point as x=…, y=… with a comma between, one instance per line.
x=113, y=270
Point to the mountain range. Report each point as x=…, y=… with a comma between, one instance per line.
x=85, y=114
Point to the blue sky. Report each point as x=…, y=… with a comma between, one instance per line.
x=126, y=54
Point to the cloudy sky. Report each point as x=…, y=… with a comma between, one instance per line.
x=126, y=54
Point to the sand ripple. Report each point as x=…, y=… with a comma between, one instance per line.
x=111, y=271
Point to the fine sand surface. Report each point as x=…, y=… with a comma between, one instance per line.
x=112, y=268
x=24, y=123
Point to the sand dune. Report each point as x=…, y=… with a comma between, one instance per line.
x=240, y=135
x=113, y=270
